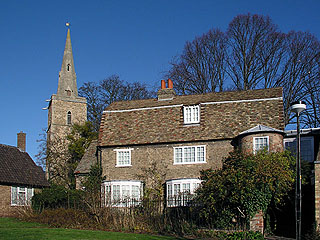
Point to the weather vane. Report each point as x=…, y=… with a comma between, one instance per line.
x=67, y=24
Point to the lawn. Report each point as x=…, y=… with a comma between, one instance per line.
x=11, y=228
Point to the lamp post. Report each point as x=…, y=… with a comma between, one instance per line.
x=297, y=108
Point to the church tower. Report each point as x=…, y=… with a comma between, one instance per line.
x=65, y=109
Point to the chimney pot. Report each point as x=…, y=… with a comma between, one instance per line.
x=163, y=84
x=21, y=141
x=170, y=83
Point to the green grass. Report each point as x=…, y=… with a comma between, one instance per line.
x=11, y=228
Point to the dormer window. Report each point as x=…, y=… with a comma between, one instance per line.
x=68, y=67
x=69, y=118
x=191, y=114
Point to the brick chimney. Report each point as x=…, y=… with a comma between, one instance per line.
x=21, y=141
x=166, y=93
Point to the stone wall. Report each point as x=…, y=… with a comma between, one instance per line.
x=256, y=223
x=275, y=142
x=58, y=129
x=6, y=210
x=162, y=155
x=59, y=108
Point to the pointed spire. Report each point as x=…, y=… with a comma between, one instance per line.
x=67, y=86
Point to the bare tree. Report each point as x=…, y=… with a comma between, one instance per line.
x=53, y=156
x=301, y=71
x=61, y=155
x=271, y=57
x=253, y=54
x=100, y=95
x=95, y=106
x=246, y=36
x=201, y=67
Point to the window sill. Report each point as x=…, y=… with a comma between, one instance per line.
x=187, y=163
x=191, y=124
x=124, y=165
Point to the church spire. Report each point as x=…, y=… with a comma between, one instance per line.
x=67, y=86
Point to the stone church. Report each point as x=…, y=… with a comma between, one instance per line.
x=65, y=108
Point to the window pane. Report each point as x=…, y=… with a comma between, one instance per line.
x=260, y=143
x=108, y=194
x=178, y=155
x=186, y=187
x=191, y=114
x=29, y=195
x=306, y=149
x=21, y=198
x=189, y=154
x=169, y=190
x=195, y=114
x=135, y=192
x=125, y=191
x=14, y=196
x=176, y=189
x=200, y=154
x=123, y=157
x=116, y=193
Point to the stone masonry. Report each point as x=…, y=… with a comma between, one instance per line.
x=162, y=154
x=65, y=108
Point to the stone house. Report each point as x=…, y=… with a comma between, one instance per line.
x=20, y=177
x=180, y=135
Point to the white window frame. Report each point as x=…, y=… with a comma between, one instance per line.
x=255, y=150
x=291, y=140
x=184, y=154
x=119, y=152
x=191, y=114
x=129, y=193
x=176, y=193
x=17, y=199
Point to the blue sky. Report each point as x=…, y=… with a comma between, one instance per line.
x=134, y=39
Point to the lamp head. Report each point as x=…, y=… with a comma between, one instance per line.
x=298, y=106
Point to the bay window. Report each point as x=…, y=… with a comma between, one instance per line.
x=181, y=191
x=122, y=193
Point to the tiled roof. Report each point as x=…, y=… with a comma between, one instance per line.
x=88, y=159
x=17, y=167
x=261, y=128
x=199, y=98
x=223, y=116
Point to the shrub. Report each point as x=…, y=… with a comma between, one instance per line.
x=229, y=197
x=61, y=217
x=56, y=197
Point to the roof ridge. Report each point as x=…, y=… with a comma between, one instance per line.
x=6, y=145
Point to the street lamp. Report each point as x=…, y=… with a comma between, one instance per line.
x=297, y=108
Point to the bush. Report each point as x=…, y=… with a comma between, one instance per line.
x=61, y=217
x=230, y=196
x=249, y=235
x=56, y=197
